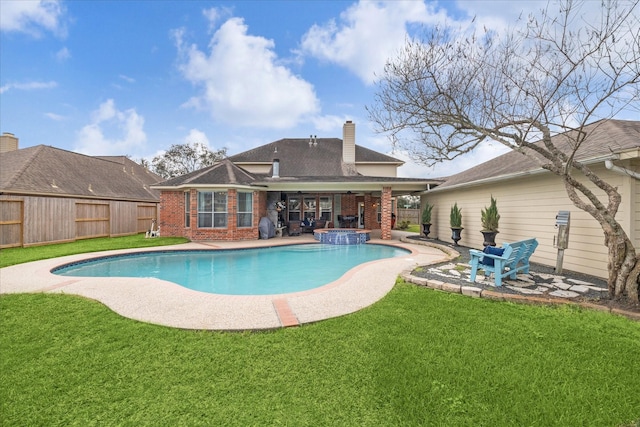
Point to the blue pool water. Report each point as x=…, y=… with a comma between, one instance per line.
x=260, y=271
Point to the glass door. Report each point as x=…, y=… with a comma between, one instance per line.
x=294, y=208
x=310, y=208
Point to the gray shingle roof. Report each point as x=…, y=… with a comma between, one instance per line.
x=603, y=138
x=299, y=163
x=298, y=159
x=51, y=171
x=222, y=173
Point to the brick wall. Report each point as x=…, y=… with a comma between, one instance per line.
x=349, y=205
x=172, y=211
x=386, y=213
x=371, y=212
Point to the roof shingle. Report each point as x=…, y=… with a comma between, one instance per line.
x=223, y=172
x=299, y=158
x=47, y=170
x=604, y=137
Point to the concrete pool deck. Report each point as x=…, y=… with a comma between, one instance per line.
x=166, y=303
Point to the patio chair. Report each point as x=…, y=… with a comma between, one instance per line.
x=294, y=228
x=153, y=231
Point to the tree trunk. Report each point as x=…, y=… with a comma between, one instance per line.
x=623, y=264
x=624, y=267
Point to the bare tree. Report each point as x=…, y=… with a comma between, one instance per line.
x=181, y=159
x=558, y=72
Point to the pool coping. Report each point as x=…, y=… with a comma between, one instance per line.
x=166, y=303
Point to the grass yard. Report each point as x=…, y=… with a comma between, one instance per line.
x=418, y=357
x=12, y=256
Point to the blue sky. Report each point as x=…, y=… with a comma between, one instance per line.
x=134, y=77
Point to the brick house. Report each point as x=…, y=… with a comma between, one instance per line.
x=330, y=180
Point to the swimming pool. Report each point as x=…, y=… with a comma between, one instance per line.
x=258, y=271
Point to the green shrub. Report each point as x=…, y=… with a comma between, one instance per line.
x=426, y=213
x=490, y=216
x=455, y=217
x=403, y=225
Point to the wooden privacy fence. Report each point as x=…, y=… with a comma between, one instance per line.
x=36, y=220
x=92, y=220
x=11, y=214
x=146, y=214
x=411, y=215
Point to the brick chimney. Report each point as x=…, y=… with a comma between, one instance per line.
x=8, y=142
x=349, y=142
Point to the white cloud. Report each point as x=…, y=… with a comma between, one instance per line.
x=63, y=54
x=368, y=33
x=31, y=17
x=329, y=123
x=196, y=136
x=55, y=117
x=28, y=86
x=112, y=132
x=127, y=78
x=216, y=14
x=242, y=82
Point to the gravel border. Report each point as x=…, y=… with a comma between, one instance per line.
x=460, y=254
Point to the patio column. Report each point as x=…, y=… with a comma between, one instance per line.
x=385, y=207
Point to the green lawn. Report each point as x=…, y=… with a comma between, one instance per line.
x=417, y=357
x=414, y=228
x=11, y=256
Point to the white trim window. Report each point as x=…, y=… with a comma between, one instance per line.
x=212, y=209
x=325, y=208
x=245, y=209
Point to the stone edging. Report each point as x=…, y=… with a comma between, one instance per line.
x=475, y=292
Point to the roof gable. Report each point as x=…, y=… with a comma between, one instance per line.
x=223, y=172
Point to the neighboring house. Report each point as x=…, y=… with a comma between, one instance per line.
x=49, y=195
x=327, y=179
x=529, y=198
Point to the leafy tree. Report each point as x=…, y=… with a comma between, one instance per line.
x=408, y=202
x=562, y=69
x=181, y=159
x=145, y=163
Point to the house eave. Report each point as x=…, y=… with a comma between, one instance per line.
x=343, y=187
x=294, y=185
x=76, y=196
x=398, y=163
x=188, y=186
x=533, y=172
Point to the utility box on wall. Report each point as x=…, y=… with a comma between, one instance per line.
x=562, y=224
x=561, y=241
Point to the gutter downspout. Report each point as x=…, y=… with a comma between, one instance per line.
x=623, y=171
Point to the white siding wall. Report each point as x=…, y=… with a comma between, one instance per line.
x=255, y=168
x=528, y=207
x=377, y=170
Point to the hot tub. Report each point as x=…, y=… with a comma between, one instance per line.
x=342, y=236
